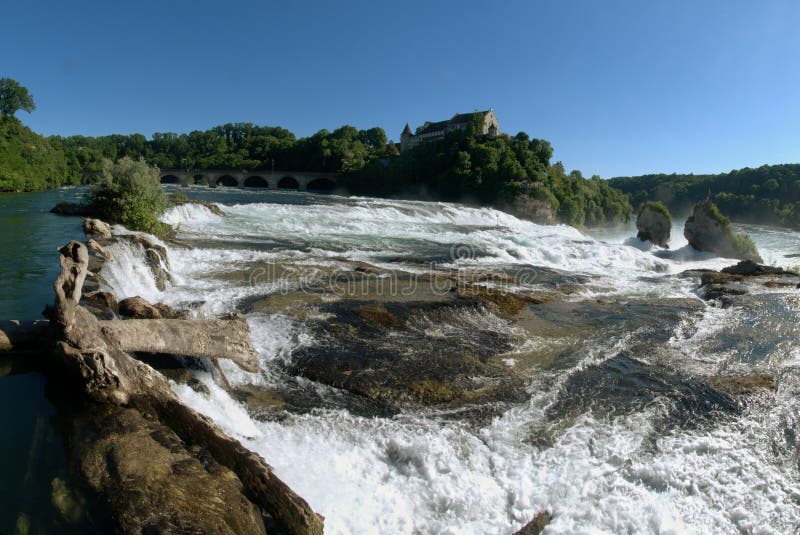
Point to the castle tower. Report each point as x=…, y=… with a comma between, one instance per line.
x=405, y=137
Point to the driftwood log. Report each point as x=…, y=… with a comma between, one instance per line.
x=92, y=355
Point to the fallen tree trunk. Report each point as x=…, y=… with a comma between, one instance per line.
x=23, y=336
x=212, y=339
x=93, y=354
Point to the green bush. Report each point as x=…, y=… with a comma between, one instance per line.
x=130, y=194
x=745, y=247
x=656, y=206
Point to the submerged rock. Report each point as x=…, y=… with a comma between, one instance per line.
x=70, y=505
x=708, y=230
x=405, y=354
x=214, y=208
x=654, y=223
x=742, y=384
x=70, y=208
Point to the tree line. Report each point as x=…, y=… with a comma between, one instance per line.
x=768, y=194
x=511, y=172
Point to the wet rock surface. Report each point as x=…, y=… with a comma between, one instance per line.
x=654, y=225
x=537, y=525
x=742, y=279
x=151, y=480
x=97, y=228
x=388, y=353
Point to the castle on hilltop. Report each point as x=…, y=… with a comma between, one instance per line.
x=435, y=131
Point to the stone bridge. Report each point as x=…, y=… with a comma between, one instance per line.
x=299, y=180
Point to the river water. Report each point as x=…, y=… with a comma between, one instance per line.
x=599, y=407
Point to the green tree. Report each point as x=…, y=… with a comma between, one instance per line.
x=130, y=194
x=14, y=97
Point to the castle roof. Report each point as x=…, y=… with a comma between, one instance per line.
x=458, y=118
x=407, y=130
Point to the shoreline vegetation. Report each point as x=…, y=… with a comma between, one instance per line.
x=511, y=173
x=769, y=194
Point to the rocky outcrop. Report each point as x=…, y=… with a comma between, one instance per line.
x=748, y=268
x=156, y=259
x=537, y=210
x=215, y=209
x=708, y=230
x=95, y=227
x=152, y=449
x=138, y=308
x=654, y=224
x=151, y=480
x=537, y=525
x=740, y=279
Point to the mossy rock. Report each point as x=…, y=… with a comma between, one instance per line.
x=707, y=229
x=654, y=223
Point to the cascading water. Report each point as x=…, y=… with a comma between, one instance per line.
x=613, y=432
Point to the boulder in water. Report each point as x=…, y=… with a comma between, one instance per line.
x=70, y=208
x=748, y=268
x=138, y=308
x=654, y=223
x=95, y=227
x=537, y=525
x=739, y=385
x=708, y=230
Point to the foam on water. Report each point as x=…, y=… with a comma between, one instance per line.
x=415, y=473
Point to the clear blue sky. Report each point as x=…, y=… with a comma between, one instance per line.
x=618, y=87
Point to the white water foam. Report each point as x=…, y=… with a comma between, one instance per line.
x=417, y=474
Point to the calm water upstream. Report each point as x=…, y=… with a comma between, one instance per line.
x=31, y=451
x=594, y=404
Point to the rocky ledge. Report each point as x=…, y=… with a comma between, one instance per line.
x=741, y=279
x=141, y=460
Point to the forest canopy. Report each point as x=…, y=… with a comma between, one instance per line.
x=768, y=194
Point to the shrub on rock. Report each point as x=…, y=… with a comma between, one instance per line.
x=708, y=230
x=130, y=194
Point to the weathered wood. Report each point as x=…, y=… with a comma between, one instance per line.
x=23, y=336
x=212, y=339
x=92, y=353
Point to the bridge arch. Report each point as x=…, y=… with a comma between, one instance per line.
x=288, y=182
x=170, y=179
x=227, y=181
x=256, y=181
x=321, y=184
x=199, y=179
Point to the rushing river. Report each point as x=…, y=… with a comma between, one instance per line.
x=592, y=402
